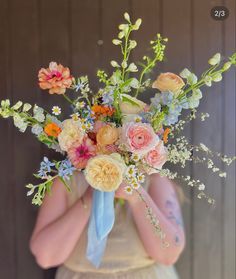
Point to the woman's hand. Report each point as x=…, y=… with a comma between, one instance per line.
x=122, y=194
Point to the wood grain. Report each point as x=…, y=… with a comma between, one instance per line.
x=79, y=34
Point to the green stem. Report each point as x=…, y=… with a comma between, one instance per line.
x=68, y=99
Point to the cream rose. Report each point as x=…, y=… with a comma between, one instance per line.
x=105, y=172
x=168, y=82
x=131, y=105
x=71, y=132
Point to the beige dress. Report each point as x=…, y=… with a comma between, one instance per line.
x=124, y=257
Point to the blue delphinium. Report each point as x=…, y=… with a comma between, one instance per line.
x=65, y=169
x=108, y=98
x=45, y=167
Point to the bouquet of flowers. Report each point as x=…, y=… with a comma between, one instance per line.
x=112, y=136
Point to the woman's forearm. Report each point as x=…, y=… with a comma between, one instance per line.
x=53, y=244
x=174, y=235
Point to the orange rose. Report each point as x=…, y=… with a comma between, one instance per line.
x=168, y=82
x=56, y=78
x=52, y=130
x=107, y=135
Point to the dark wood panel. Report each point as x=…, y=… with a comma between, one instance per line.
x=24, y=63
x=79, y=34
x=207, y=221
x=55, y=45
x=229, y=132
x=85, y=39
x=177, y=27
x=7, y=197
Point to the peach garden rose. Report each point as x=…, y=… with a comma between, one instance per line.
x=168, y=82
x=107, y=135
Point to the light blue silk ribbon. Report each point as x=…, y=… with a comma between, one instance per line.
x=100, y=224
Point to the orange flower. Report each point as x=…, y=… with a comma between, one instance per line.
x=102, y=111
x=52, y=130
x=165, y=135
x=56, y=78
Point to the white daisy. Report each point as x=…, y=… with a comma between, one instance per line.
x=138, y=119
x=75, y=116
x=141, y=178
x=80, y=105
x=136, y=185
x=135, y=157
x=56, y=110
x=89, y=126
x=131, y=171
x=128, y=190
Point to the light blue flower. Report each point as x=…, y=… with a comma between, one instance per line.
x=78, y=86
x=170, y=119
x=66, y=169
x=45, y=167
x=39, y=113
x=184, y=103
x=37, y=129
x=167, y=98
x=108, y=98
x=156, y=100
x=51, y=118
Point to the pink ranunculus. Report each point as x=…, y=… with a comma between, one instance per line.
x=157, y=157
x=138, y=138
x=56, y=78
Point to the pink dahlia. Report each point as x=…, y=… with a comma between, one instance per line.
x=79, y=154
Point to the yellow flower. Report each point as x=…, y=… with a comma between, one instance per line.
x=107, y=135
x=105, y=172
x=71, y=132
x=168, y=82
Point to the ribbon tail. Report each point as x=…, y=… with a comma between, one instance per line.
x=100, y=224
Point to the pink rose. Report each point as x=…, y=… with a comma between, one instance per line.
x=139, y=138
x=157, y=157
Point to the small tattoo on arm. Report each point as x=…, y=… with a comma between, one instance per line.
x=173, y=213
x=177, y=240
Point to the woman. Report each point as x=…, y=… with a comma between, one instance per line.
x=133, y=249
